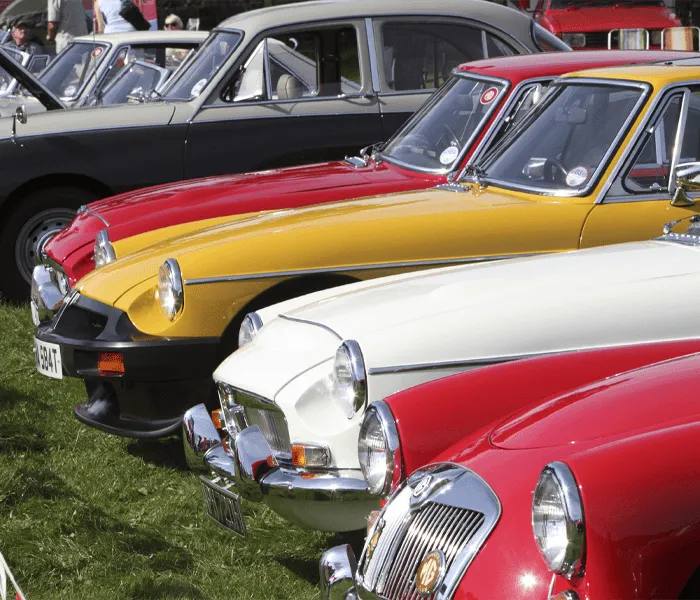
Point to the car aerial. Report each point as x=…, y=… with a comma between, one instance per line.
x=355, y=345
x=182, y=301
x=371, y=63
x=589, y=489
x=591, y=25
x=420, y=155
x=83, y=71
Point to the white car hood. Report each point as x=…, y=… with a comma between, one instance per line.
x=620, y=294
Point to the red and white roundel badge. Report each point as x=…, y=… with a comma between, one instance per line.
x=489, y=95
x=97, y=51
x=577, y=176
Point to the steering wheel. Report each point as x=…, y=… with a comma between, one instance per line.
x=554, y=167
x=416, y=143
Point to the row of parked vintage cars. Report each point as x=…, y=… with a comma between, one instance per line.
x=386, y=354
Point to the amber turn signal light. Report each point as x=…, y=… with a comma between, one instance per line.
x=110, y=363
x=216, y=418
x=310, y=455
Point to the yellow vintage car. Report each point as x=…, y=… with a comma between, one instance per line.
x=607, y=156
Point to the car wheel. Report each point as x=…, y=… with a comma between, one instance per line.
x=39, y=216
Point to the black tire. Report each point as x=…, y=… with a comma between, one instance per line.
x=37, y=217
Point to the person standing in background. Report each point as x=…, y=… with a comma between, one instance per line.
x=116, y=16
x=66, y=20
x=173, y=23
x=20, y=38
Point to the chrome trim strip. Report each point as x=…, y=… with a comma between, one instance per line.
x=680, y=131
x=352, y=268
x=307, y=322
x=373, y=64
x=661, y=96
x=85, y=209
x=474, y=362
x=605, y=161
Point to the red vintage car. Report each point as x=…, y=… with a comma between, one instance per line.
x=608, y=441
x=586, y=24
x=482, y=100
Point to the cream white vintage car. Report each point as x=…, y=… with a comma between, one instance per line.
x=294, y=395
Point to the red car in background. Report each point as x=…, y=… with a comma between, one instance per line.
x=586, y=24
x=608, y=441
x=481, y=101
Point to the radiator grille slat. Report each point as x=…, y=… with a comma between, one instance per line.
x=273, y=426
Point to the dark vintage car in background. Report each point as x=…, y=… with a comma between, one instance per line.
x=608, y=441
x=274, y=87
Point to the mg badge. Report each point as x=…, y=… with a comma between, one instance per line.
x=423, y=486
x=374, y=540
x=430, y=573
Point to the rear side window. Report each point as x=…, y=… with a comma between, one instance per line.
x=546, y=41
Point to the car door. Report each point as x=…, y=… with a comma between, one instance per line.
x=640, y=192
x=415, y=55
x=300, y=94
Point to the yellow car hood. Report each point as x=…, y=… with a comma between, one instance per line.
x=433, y=224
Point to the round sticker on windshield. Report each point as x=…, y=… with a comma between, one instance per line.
x=449, y=155
x=198, y=87
x=97, y=51
x=489, y=95
x=577, y=176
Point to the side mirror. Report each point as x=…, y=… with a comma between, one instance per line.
x=337, y=570
x=572, y=115
x=534, y=169
x=21, y=115
x=687, y=179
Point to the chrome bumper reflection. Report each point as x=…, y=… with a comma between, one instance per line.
x=248, y=463
x=337, y=571
x=49, y=287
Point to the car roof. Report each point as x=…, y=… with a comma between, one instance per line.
x=321, y=10
x=657, y=75
x=141, y=37
x=527, y=66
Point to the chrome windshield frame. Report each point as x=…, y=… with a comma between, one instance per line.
x=504, y=95
x=644, y=87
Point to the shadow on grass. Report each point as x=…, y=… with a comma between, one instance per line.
x=18, y=431
x=167, y=452
x=306, y=568
x=356, y=539
x=147, y=588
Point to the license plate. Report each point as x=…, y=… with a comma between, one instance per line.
x=223, y=506
x=35, y=314
x=48, y=359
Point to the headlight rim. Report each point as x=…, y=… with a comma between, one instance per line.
x=104, y=246
x=358, y=372
x=176, y=287
x=393, y=475
x=573, y=562
x=256, y=323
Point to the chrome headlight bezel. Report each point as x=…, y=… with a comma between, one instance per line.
x=103, y=252
x=170, y=291
x=350, y=378
x=250, y=326
x=234, y=414
x=379, y=416
x=557, y=481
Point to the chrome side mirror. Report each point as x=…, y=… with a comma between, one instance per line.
x=337, y=569
x=687, y=179
x=21, y=115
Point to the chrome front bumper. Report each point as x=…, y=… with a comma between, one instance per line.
x=328, y=501
x=49, y=288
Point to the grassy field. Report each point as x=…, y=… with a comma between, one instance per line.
x=87, y=515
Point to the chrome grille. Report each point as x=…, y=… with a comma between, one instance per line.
x=273, y=426
x=410, y=528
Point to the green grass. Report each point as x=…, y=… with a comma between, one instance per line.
x=88, y=515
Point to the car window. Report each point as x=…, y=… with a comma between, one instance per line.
x=497, y=47
x=68, y=73
x=530, y=95
x=419, y=56
x=299, y=64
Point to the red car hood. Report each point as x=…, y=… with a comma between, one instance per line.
x=136, y=212
x=648, y=399
x=605, y=18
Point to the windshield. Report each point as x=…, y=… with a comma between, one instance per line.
x=562, y=144
x=137, y=81
x=68, y=73
x=188, y=83
x=442, y=131
x=563, y=4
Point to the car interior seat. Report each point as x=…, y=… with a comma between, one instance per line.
x=288, y=87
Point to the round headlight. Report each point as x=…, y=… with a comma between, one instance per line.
x=378, y=450
x=557, y=520
x=349, y=378
x=104, y=252
x=171, y=295
x=249, y=329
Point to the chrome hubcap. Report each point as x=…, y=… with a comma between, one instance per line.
x=35, y=234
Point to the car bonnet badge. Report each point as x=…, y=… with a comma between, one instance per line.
x=423, y=486
x=430, y=573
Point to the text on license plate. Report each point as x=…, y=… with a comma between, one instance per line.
x=223, y=506
x=48, y=359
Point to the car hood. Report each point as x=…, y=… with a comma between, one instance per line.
x=492, y=312
x=278, y=241
x=605, y=18
x=649, y=399
x=133, y=213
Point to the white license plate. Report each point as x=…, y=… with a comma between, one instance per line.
x=223, y=506
x=48, y=359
